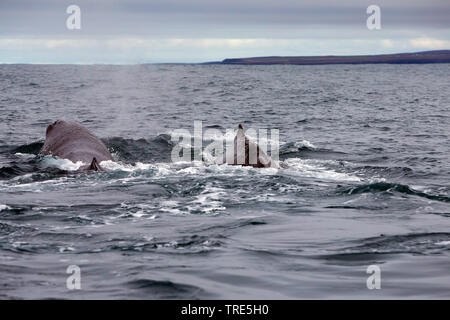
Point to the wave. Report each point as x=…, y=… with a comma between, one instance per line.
x=26, y=160
x=134, y=150
x=37, y=169
x=18, y=168
x=306, y=149
x=8, y=172
x=49, y=167
x=126, y=149
x=383, y=171
x=165, y=289
x=293, y=147
x=159, y=148
x=414, y=243
x=392, y=187
x=153, y=157
x=4, y=207
x=31, y=148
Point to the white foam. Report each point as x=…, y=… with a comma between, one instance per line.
x=24, y=155
x=189, y=170
x=141, y=210
x=298, y=145
x=116, y=166
x=4, y=207
x=425, y=189
x=161, y=169
x=138, y=214
x=170, y=206
x=442, y=243
x=209, y=200
x=316, y=169
x=63, y=164
x=304, y=143
x=39, y=186
x=66, y=249
x=25, y=178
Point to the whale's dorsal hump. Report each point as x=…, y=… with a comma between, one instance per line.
x=95, y=166
x=240, y=133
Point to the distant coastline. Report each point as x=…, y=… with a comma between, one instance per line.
x=437, y=56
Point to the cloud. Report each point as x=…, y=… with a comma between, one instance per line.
x=209, y=18
x=125, y=50
x=133, y=43
x=429, y=43
x=132, y=31
x=387, y=43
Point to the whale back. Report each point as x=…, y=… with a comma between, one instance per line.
x=72, y=141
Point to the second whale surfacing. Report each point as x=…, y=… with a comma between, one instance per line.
x=72, y=141
x=248, y=153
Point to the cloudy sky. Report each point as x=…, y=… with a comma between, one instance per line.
x=138, y=31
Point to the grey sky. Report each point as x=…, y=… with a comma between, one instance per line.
x=133, y=31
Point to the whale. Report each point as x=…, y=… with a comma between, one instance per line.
x=248, y=153
x=72, y=141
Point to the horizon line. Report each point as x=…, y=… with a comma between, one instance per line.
x=221, y=62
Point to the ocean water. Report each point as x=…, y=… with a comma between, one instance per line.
x=367, y=183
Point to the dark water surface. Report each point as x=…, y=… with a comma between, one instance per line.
x=367, y=183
